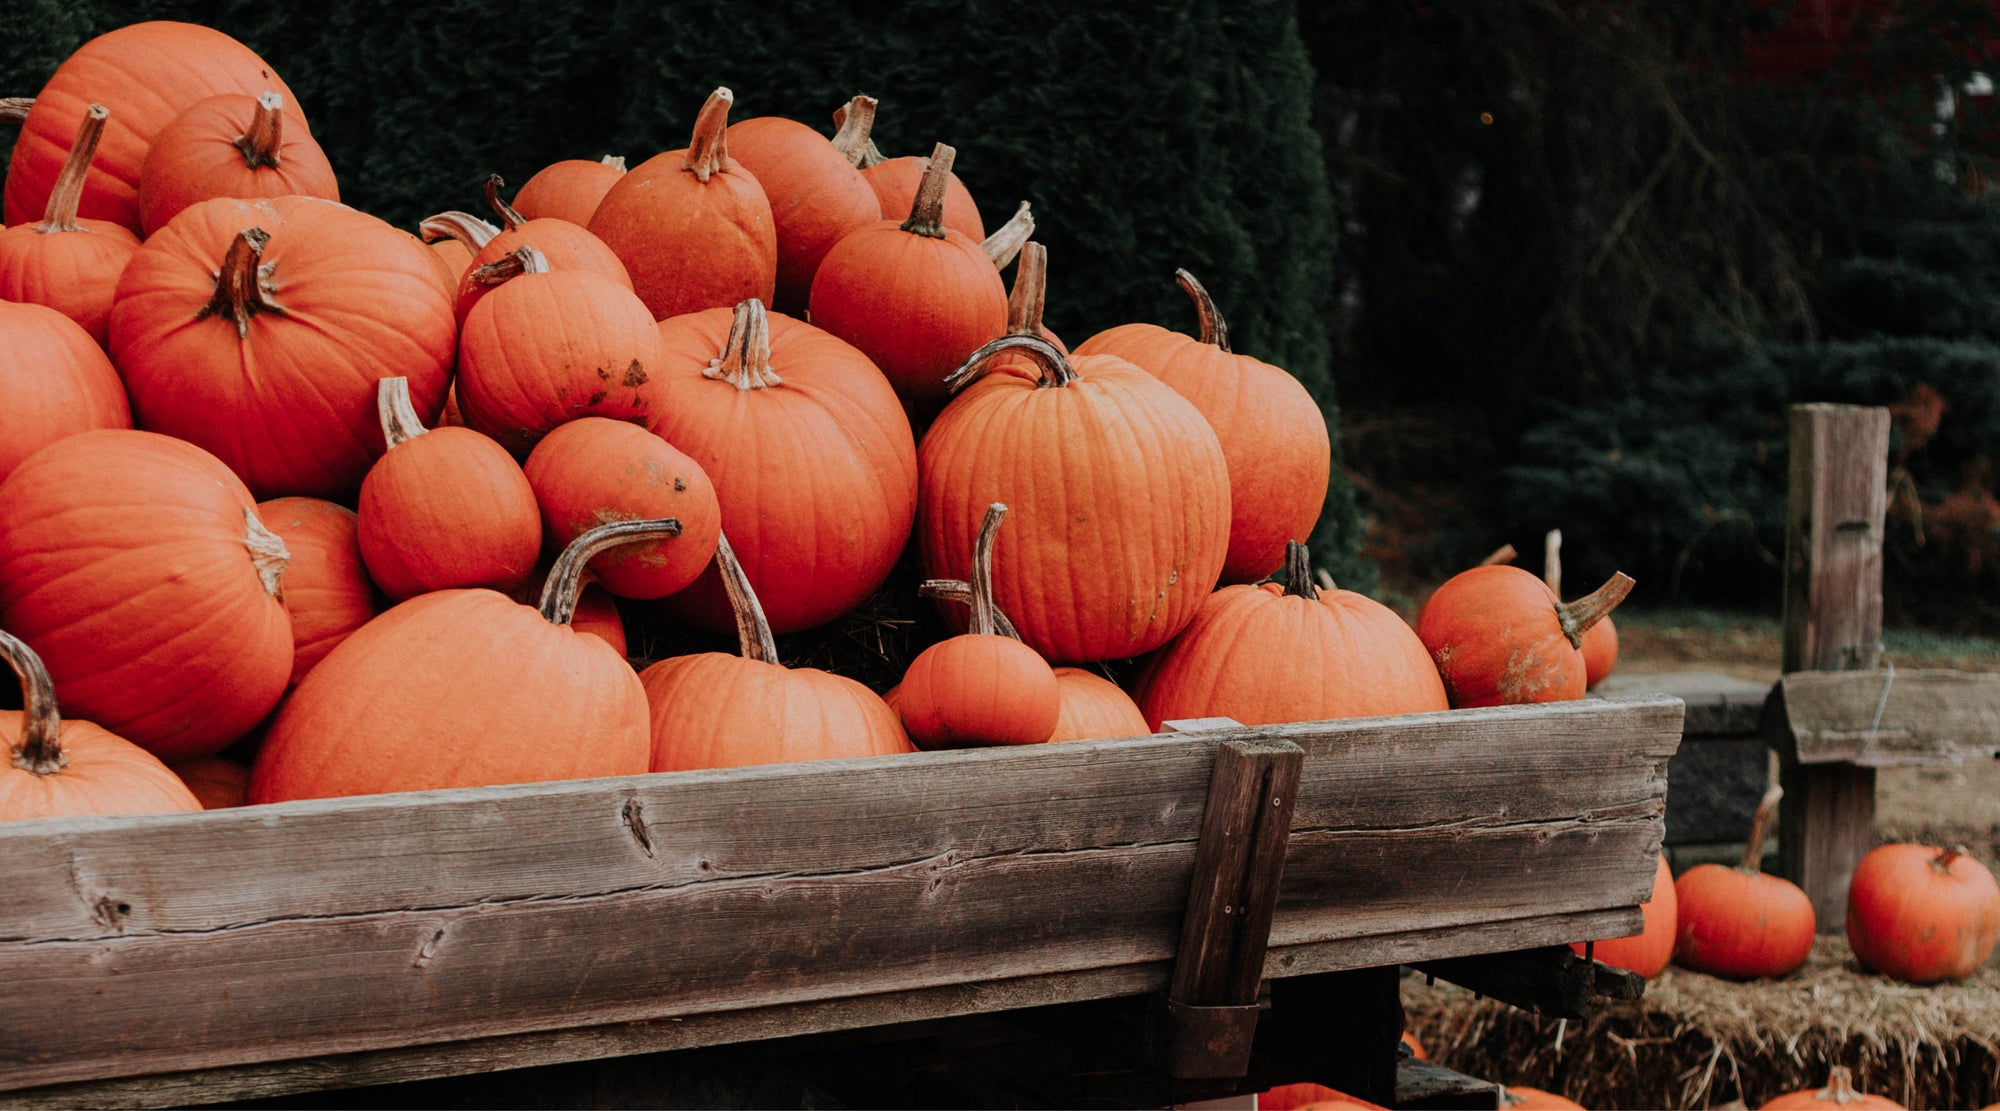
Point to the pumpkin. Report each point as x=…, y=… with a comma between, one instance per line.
x=814, y=466
x=715, y=710
x=549, y=346
x=1839, y=1092
x=231, y=145
x=1649, y=950
x=595, y=470
x=816, y=195
x=569, y=189
x=896, y=181
x=596, y=610
x=55, y=380
x=327, y=590
x=563, y=246
x=217, y=782
x=1121, y=491
x=1600, y=642
x=68, y=264
x=444, y=508
x=1738, y=922
x=1921, y=914
x=1271, y=429
x=464, y=688
x=68, y=768
x=915, y=296
x=1416, y=1047
x=1287, y=651
x=693, y=226
x=136, y=566
x=1500, y=636
x=1093, y=706
x=1300, y=1097
x=146, y=74
x=258, y=329
x=980, y=687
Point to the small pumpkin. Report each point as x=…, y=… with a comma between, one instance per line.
x=897, y=181
x=69, y=264
x=1651, y=949
x=217, y=782
x=1500, y=636
x=327, y=590
x=1092, y=706
x=230, y=145
x=1740, y=923
x=817, y=196
x=569, y=190
x=1838, y=1093
x=55, y=380
x=563, y=245
x=1600, y=642
x=594, y=470
x=1922, y=914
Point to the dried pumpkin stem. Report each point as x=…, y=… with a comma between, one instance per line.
x=1577, y=617
x=753, y=631
x=1839, y=1087
x=1505, y=553
x=927, y=211
x=960, y=591
x=1942, y=862
x=260, y=144
x=468, y=229
x=40, y=750
x=615, y=161
x=1213, y=330
x=242, y=286
x=1056, y=370
x=1760, y=827
x=400, y=422
x=1552, y=561
x=983, y=608
x=565, y=582
x=60, y=213
x=14, y=109
x=1024, y=301
x=1298, y=572
x=852, y=123
x=1010, y=237
x=745, y=361
x=509, y=219
x=521, y=260
x=709, y=148
x=268, y=554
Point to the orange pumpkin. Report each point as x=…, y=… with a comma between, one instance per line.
x=1922, y=914
x=464, y=688
x=1303, y=1097
x=897, y=181
x=562, y=244
x=594, y=470
x=55, y=380
x=817, y=196
x=596, y=610
x=1093, y=706
x=1838, y=1093
x=1648, y=951
x=68, y=264
x=1740, y=923
x=1500, y=636
x=693, y=226
x=569, y=190
x=715, y=710
x=1600, y=642
x=67, y=768
x=327, y=589
x=232, y=145
x=218, y=782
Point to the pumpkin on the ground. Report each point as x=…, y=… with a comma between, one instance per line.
x=1500, y=636
x=327, y=589
x=1922, y=914
x=55, y=380
x=817, y=196
x=1740, y=923
x=1838, y=1093
x=65, y=262
x=595, y=470
x=231, y=145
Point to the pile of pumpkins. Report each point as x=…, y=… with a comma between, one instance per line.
x=278, y=476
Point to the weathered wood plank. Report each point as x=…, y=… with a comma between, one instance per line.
x=1551, y=980
x=1717, y=705
x=1887, y=718
x=1428, y=1086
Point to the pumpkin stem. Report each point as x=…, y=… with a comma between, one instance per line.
x=1010, y=237
x=60, y=213
x=1505, y=553
x=1326, y=583
x=1552, y=561
x=267, y=133
x=1839, y=1087
x=1945, y=858
x=1577, y=617
x=983, y=609
x=509, y=219
x=960, y=591
x=927, y=211
x=462, y=226
x=753, y=631
x=615, y=161
x=745, y=361
x=1760, y=826
x=1298, y=572
x=243, y=287
x=267, y=553
x=565, y=582
x=521, y=260
x=709, y=148
x=1056, y=370
x=1213, y=330
x=1024, y=301
x=400, y=422
x=40, y=751
x=14, y=109
x=853, y=122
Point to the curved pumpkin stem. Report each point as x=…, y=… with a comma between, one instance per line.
x=242, y=289
x=745, y=361
x=1839, y=1087
x=753, y=631
x=1024, y=301
x=1056, y=370
x=60, y=213
x=40, y=750
x=400, y=422
x=927, y=211
x=709, y=148
x=1577, y=617
x=1760, y=827
x=521, y=260
x=509, y=219
x=267, y=133
x=983, y=609
x=1010, y=237
x=565, y=581
x=960, y=591
x=267, y=553
x=1298, y=572
x=468, y=229
x=1552, y=561
x=853, y=122
x=615, y=161
x=14, y=109
x=1505, y=553
x=1213, y=330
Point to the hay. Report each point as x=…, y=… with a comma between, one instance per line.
x=1696, y=1041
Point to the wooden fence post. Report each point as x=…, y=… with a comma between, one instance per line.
x=1833, y=622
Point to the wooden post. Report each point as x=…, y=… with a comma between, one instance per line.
x=1833, y=622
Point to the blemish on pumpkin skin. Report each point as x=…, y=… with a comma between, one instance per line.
x=635, y=375
x=680, y=484
x=598, y=397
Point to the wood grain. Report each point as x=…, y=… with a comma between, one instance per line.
x=1887, y=718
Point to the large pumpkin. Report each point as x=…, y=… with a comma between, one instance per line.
x=817, y=197
x=69, y=264
x=258, y=330
x=1500, y=636
x=595, y=470
x=1740, y=923
x=55, y=380
x=327, y=589
x=1921, y=914
x=231, y=145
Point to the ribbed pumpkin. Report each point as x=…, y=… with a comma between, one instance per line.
x=146, y=74
x=68, y=264
x=914, y=295
x=1739, y=922
x=594, y=470
x=715, y=710
x=1272, y=431
x=569, y=190
x=1652, y=948
x=1500, y=636
x=693, y=226
x=258, y=329
x=1288, y=651
x=1600, y=642
x=1120, y=491
x=56, y=768
x=817, y=196
x=980, y=687
x=136, y=566
x=1922, y=914
x=812, y=458
x=549, y=346
x=327, y=589
x=1093, y=706
x=464, y=688
x=230, y=145
x=896, y=181
x=1839, y=1093
x=56, y=383
x=562, y=244
x=217, y=782
x=444, y=509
